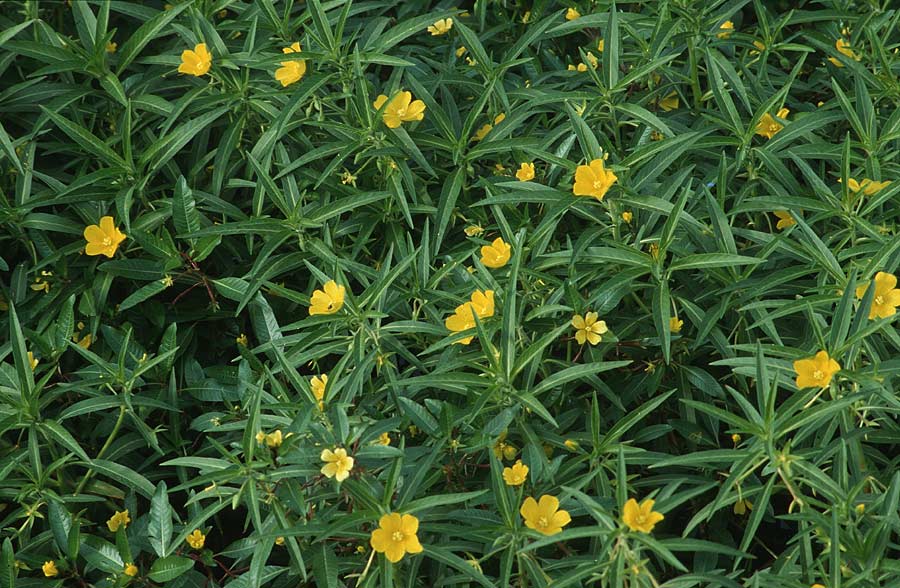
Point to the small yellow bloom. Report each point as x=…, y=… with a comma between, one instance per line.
x=726, y=28
x=742, y=506
x=526, y=18
x=601, y=45
x=497, y=254
x=480, y=304
x=103, y=239
x=384, y=439
x=473, y=230
x=196, y=539
x=396, y=536
x=817, y=371
x=85, y=342
x=337, y=464
x=768, y=127
x=760, y=46
x=515, y=475
x=119, y=519
x=242, y=340
x=196, y=62
x=887, y=295
x=328, y=300
x=348, y=178
x=279, y=540
x=843, y=47
x=581, y=67
x=111, y=47
x=33, y=361
x=274, y=439
x=588, y=328
x=291, y=71
x=572, y=14
x=785, y=220
x=49, y=569
x=669, y=103
x=735, y=438
x=817, y=586
x=317, y=384
x=544, y=516
x=627, y=216
x=401, y=108
x=640, y=517
x=461, y=50
x=130, y=570
x=525, y=172
x=571, y=444
x=592, y=60
x=482, y=132
x=867, y=186
x=441, y=27
x=860, y=508
x=675, y=324
x=593, y=180
x=260, y=437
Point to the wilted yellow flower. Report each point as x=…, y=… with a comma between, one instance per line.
x=760, y=46
x=291, y=71
x=526, y=18
x=525, y=172
x=84, y=342
x=581, y=67
x=49, y=569
x=593, y=180
x=130, y=570
x=274, y=439
x=867, y=186
x=401, y=108
x=887, y=295
x=627, y=216
x=242, y=340
x=640, y=517
x=588, y=328
x=726, y=28
x=473, y=230
x=196, y=539
x=843, y=47
x=196, y=62
x=571, y=444
x=601, y=45
x=396, y=536
x=497, y=254
x=742, y=506
x=384, y=439
x=675, y=324
x=481, y=304
x=461, y=50
x=103, y=239
x=329, y=300
x=592, y=60
x=768, y=127
x=119, y=519
x=572, y=14
x=785, y=219
x=111, y=47
x=317, y=384
x=544, y=516
x=32, y=361
x=669, y=103
x=441, y=27
x=337, y=464
x=515, y=475
x=817, y=371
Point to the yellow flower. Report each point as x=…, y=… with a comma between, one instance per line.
x=843, y=47
x=627, y=216
x=640, y=517
x=515, y=475
x=581, y=67
x=49, y=569
x=726, y=29
x=337, y=464
x=669, y=103
x=817, y=371
x=526, y=172
x=817, y=586
x=593, y=180
x=242, y=340
x=130, y=570
x=401, y=108
x=544, y=516
x=482, y=132
x=571, y=444
x=785, y=219
x=196, y=539
x=279, y=540
x=441, y=27
x=592, y=60
x=461, y=50
x=329, y=300
x=887, y=295
x=384, y=439
x=868, y=187
x=735, y=438
x=760, y=46
x=768, y=127
x=260, y=437
x=396, y=536
x=742, y=506
x=32, y=361
x=473, y=230
x=291, y=71
x=601, y=46
x=103, y=239
x=497, y=254
x=111, y=47
x=588, y=328
x=526, y=18
x=119, y=519
x=196, y=62
x=481, y=304
x=572, y=14
x=675, y=324
x=274, y=439
x=317, y=384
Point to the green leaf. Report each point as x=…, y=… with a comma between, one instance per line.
x=168, y=568
x=159, y=530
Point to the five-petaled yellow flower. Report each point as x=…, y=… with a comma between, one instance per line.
x=396, y=536
x=640, y=517
x=593, y=180
x=49, y=569
x=588, y=328
x=196, y=62
x=669, y=103
x=544, y=516
x=868, y=187
x=441, y=27
x=119, y=519
x=384, y=439
x=768, y=127
x=463, y=318
x=130, y=570
x=196, y=539
x=887, y=295
x=785, y=220
x=317, y=385
x=726, y=28
x=337, y=464
x=497, y=254
x=328, y=300
x=675, y=324
x=515, y=475
x=572, y=14
x=843, y=47
x=401, y=108
x=525, y=172
x=817, y=371
x=291, y=71
x=103, y=239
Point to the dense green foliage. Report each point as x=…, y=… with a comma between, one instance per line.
x=172, y=374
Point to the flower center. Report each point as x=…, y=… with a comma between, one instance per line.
x=397, y=536
x=818, y=375
x=107, y=241
x=598, y=184
x=401, y=112
x=641, y=519
x=543, y=523
x=879, y=300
